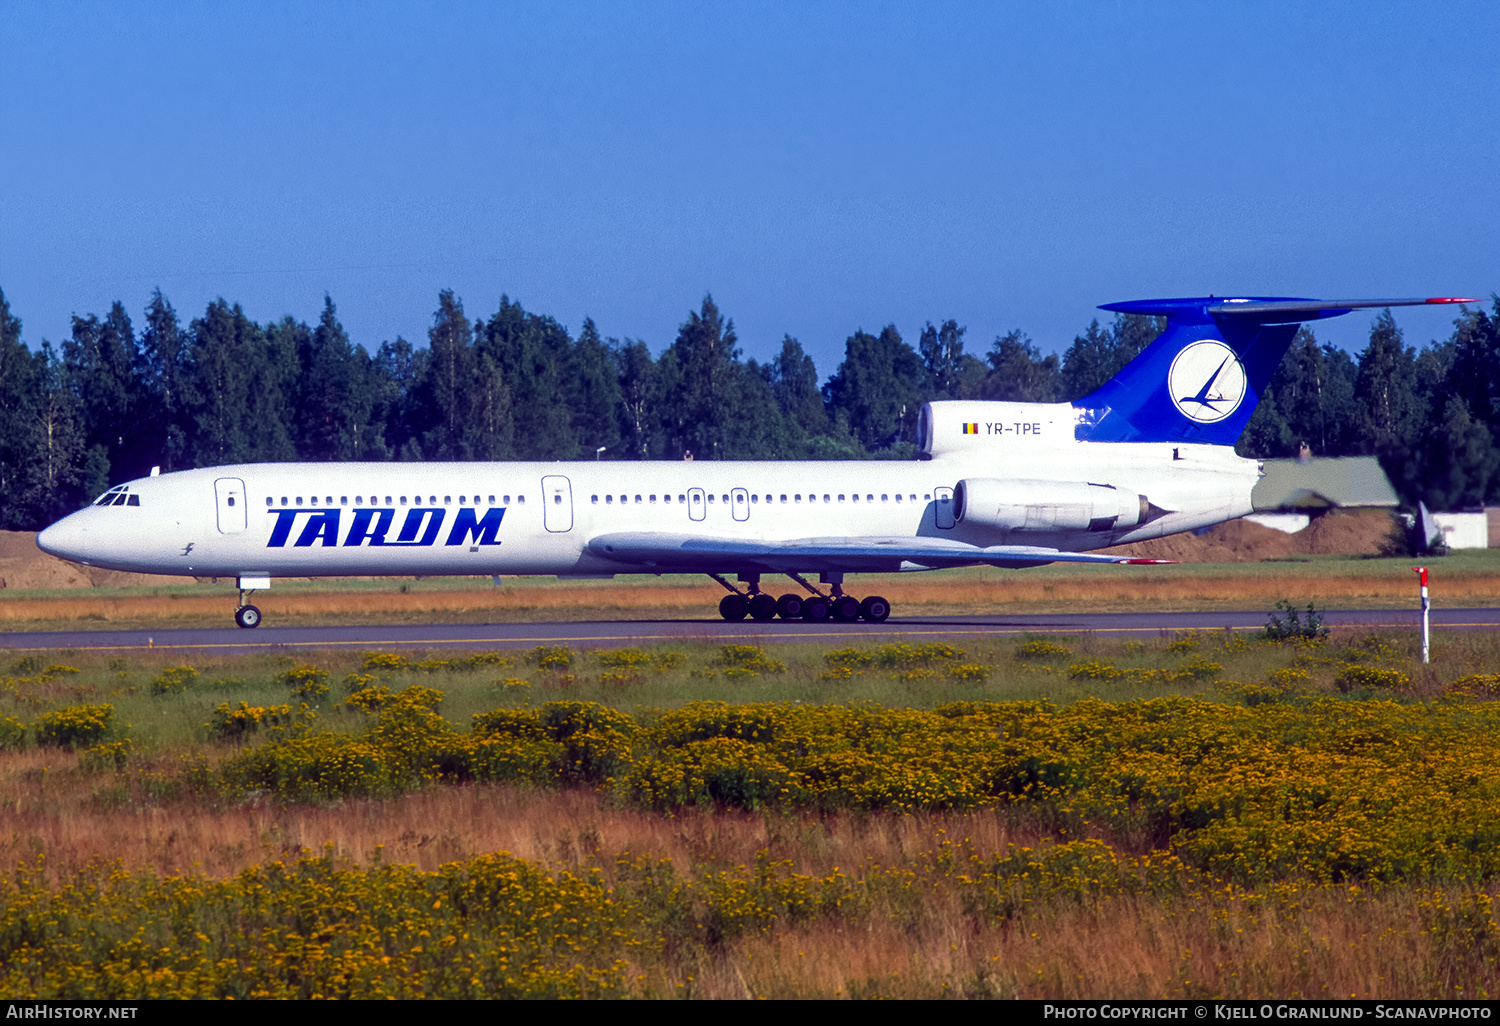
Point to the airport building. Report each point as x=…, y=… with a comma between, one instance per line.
x=1295, y=491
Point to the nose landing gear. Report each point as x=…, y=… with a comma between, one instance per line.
x=245, y=614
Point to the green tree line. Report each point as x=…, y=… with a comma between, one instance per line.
x=120, y=396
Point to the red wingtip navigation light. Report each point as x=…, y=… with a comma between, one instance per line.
x=1451, y=299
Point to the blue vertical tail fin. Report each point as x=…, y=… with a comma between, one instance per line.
x=1202, y=377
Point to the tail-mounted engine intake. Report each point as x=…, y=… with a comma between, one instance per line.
x=1049, y=505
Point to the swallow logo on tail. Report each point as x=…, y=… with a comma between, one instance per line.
x=1207, y=381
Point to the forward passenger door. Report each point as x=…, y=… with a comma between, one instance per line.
x=229, y=497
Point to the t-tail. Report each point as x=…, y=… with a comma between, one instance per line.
x=1200, y=379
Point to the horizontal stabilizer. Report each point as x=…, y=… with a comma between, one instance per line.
x=691, y=553
x=1267, y=309
x=1299, y=310
x=1201, y=378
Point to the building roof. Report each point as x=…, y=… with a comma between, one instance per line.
x=1323, y=483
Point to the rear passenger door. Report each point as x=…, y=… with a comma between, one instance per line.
x=942, y=507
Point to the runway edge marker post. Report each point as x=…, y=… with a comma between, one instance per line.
x=1426, y=607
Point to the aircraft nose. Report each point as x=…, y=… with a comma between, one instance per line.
x=63, y=539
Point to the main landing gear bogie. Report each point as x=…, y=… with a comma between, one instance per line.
x=813, y=608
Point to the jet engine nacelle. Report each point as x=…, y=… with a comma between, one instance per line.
x=1047, y=505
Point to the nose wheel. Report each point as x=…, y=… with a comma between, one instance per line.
x=245, y=614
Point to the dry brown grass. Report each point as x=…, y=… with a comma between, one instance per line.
x=363, y=604
x=1301, y=942
x=1121, y=948
x=51, y=808
x=1257, y=587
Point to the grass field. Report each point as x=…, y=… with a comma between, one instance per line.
x=1204, y=815
x=1460, y=580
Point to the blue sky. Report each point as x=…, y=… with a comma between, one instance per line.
x=817, y=167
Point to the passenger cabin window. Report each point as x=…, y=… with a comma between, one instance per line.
x=228, y=501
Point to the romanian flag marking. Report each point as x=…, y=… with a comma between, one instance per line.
x=971, y=429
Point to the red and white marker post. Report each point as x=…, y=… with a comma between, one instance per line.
x=1426, y=605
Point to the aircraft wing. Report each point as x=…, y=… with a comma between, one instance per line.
x=652, y=552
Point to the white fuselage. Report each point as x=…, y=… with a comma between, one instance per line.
x=332, y=519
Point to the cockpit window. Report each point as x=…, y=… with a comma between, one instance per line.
x=117, y=496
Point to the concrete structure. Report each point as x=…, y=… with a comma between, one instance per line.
x=1464, y=530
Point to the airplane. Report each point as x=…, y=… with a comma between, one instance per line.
x=1006, y=484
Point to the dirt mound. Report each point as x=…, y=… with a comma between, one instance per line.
x=1339, y=532
x=23, y=565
